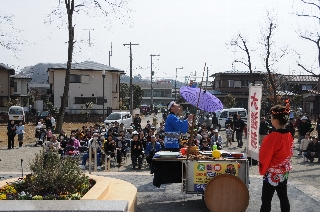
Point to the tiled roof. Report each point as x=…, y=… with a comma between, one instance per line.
x=313, y=92
x=3, y=66
x=87, y=65
x=302, y=78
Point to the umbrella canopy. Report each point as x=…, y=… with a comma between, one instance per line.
x=207, y=101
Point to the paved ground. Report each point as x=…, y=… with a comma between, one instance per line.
x=303, y=187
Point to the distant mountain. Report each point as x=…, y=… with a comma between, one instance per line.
x=139, y=79
x=38, y=72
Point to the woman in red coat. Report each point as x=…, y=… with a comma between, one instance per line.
x=274, y=160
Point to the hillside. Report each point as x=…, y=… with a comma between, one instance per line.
x=38, y=73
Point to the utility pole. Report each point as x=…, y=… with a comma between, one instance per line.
x=152, y=73
x=89, y=42
x=175, y=84
x=131, y=97
x=207, y=77
x=110, y=53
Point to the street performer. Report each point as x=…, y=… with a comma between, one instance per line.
x=274, y=159
x=174, y=127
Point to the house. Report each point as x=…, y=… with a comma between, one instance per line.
x=6, y=86
x=162, y=92
x=21, y=90
x=307, y=86
x=236, y=83
x=86, y=85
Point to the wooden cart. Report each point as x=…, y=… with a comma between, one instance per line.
x=223, y=184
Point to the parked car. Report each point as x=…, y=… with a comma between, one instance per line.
x=41, y=115
x=226, y=113
x=120, y=117
x=17, y=114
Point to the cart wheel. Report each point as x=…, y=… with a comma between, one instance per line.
x=226, y=193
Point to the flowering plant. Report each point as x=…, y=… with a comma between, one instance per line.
x=52, y=178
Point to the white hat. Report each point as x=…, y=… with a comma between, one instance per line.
x=304, y=118
x=130, y=128
x=216, y=130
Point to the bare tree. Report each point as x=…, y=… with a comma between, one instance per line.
x=9, y=35
x=312, y=36
x=89, y=7
x=274, y=82
x=241, y=43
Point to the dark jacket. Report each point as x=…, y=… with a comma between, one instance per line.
x=264, y=128
x=291, y=128
x=135, y=150
x=239, y=123
x=11, y=129
x=137, y=122
x=313, y=147
x=305, y=127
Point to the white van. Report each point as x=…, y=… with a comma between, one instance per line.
x=120, y=117
x=225, y=113
x=16, y=113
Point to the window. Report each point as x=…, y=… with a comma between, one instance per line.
x=100, y=101
x=306, y=87
x=224, y=114
x=242, y=113
x=84, y=100
x=231, y=83
x=75, y=78
x=258, y=82
x=237, y=84
x=217, y=83
x=244, y=83
x=15, y=86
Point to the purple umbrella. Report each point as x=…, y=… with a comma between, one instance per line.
x=206, y=101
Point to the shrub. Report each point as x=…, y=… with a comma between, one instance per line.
x=52, y=178
x=52, y=175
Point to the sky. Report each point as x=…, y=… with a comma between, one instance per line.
x=185, y=33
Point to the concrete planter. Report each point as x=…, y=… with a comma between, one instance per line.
x=108, y=194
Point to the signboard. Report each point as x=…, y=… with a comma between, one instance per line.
x=253, y=124
x=204, y=172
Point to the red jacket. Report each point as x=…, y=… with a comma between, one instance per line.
x=276, y=152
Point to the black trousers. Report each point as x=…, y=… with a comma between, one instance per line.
x=10, y=141
x=267, y=194
x=134, y=160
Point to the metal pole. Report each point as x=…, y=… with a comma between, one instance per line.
x=103, y=76
x=151, y=103
x=90, y=157
x=207, y=78
x=110, y=53
x=175, y=84
x=131, y=90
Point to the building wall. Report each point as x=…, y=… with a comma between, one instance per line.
x=4, y=89
x=91, y=87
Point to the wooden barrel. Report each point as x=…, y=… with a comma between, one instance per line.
x=226, y=193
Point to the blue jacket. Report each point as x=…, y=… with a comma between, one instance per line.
x=157, y=148
x=173, y=128
x=174, y=124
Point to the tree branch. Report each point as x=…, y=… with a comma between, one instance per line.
x=311, y=3
x=311, y=72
